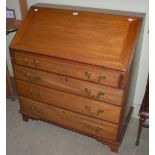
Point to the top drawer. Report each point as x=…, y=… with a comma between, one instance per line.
x=69, y=68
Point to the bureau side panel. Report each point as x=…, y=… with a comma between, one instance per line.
x=129, y=89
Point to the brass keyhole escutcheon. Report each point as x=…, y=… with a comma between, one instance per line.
x=97, y=113
x=99, y=94
x=99, y=78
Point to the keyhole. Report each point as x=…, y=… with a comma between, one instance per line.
x=63, y=112
x=66, y=79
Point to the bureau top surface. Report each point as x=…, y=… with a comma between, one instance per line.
x=94, y=38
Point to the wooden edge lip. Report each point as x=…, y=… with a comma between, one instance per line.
x=89, y=9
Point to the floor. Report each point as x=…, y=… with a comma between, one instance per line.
x=39, y=138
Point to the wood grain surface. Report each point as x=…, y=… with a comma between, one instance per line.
x=70, y=85
x=69, y=68
x=95, y=127
x=94, y=38
x=101, y=110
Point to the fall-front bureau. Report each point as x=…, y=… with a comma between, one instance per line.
x=72, y=69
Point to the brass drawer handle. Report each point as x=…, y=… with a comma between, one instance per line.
x=33, y=79
x=91, y=128
x=37, y=95
x=100, y=93
x=35, y=63
x=99, y=79
x=97, y=113
x=35, y=111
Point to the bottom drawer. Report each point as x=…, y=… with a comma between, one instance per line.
x=69, y=119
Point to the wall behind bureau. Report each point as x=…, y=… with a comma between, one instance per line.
x=141, y=61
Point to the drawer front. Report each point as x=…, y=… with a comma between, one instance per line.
x=77, y=70
x=69, y=119
x=71, y=102
x=87, y=89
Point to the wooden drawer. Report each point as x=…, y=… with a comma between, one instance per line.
x=87, y=89
x=96, y=109
x=69, y=119
x=69, y=68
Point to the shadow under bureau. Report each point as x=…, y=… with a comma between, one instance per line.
x=72, y=69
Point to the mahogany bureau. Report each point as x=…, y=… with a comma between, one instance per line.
x=72, y=69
